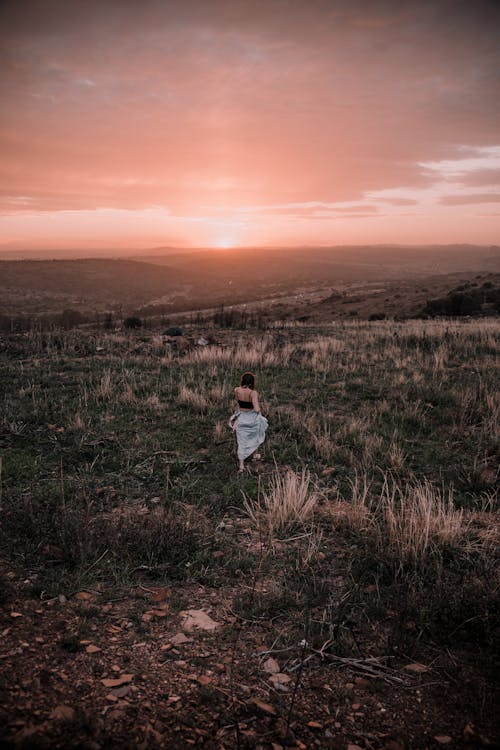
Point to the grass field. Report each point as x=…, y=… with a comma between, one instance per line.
x=371, y=521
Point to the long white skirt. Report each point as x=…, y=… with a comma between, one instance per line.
x=250, y=428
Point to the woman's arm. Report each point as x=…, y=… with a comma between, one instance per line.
x=255, y=400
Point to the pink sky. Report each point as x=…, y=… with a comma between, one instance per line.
x=248, y=122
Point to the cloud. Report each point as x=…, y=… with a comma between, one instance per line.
x=482, y=178
x=468, y=162
x=402, y=201
x=310, y=209
x=206, y=107
x=469, y=198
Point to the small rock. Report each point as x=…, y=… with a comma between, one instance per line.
x=121, y=692
x=416, y=667
x=198, y=619
x=63, y=713
x=84, y=596
x=271, y=666
x=179, y=639
x=280, y=679
x=118, y=682
x=266, y=708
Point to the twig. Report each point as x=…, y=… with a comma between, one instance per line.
x=145, y=588
x=95, y=563
x=363, y=666
x=156, y=453
x=370, y=666
x=294, y=538
x=167, y=480
x=297, y=681
x=245, y=619
x=274, y=651
x=301, y=663
x=63, y=502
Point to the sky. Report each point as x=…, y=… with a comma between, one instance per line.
x=222, y=123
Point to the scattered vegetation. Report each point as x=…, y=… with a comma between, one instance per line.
x=398, y=419
x=375, y=505
x=467, y=299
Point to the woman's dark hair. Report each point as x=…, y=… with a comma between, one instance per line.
x=248, y=378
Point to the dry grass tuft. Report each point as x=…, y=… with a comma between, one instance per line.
x=359, y=512
x=192, y=398
x=105, y=385
x=290, y=500
x=407, y=523
x=220, y=431
x=419, y=519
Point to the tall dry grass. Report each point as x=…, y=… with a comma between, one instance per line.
x=407, y=522
x=259, y=352
x=417, y=519
x=192, y=398
x=291, y=499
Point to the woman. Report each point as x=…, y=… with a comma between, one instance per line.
x=247, y=421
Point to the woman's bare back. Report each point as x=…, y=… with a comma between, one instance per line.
x=247, y=395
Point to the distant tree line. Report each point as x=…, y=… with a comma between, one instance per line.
x=240, y=319
x=21, y=323
x=68, y=319
x=466, y=299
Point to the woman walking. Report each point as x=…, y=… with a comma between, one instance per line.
x=249, y=424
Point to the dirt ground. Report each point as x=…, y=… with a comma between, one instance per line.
x=134, y=670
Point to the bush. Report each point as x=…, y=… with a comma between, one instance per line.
x=464, y=300
x=132, y=322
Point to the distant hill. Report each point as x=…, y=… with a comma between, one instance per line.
x=341, y=262
x=88, y=280
x=447, y=294
x=190, y=280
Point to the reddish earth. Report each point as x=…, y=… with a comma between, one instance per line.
x=126, y=671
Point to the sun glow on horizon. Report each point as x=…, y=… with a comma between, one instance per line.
x=224, y=243
x=245, y=126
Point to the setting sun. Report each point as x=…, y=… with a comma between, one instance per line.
x=223, y=244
